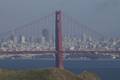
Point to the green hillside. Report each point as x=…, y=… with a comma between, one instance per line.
x=48, y=74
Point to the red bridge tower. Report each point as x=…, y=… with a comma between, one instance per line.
x=58, y=40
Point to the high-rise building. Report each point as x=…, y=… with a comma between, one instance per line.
x=13, y=38
x=45, y=34
x=22, y=39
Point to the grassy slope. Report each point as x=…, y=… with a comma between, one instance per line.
x=48, y=74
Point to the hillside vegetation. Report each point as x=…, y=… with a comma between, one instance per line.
x=48, y=74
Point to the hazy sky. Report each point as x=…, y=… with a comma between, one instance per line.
x=101, y=15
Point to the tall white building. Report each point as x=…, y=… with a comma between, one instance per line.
x=22, y=39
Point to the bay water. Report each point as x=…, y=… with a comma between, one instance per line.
x=106, y=69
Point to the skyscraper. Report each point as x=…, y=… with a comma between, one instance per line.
x=13, y=38
x=22, y=39
x=45, y=34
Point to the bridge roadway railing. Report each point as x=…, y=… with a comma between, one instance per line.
x=64, y=51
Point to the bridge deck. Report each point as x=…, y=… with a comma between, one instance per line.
x=66, y=51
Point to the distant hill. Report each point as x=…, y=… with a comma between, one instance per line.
x=48, y=74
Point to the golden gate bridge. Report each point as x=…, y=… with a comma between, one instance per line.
x=56, y=27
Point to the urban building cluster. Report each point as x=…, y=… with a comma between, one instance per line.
x=87, y=42
x=45, y=42
x=25, y=43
